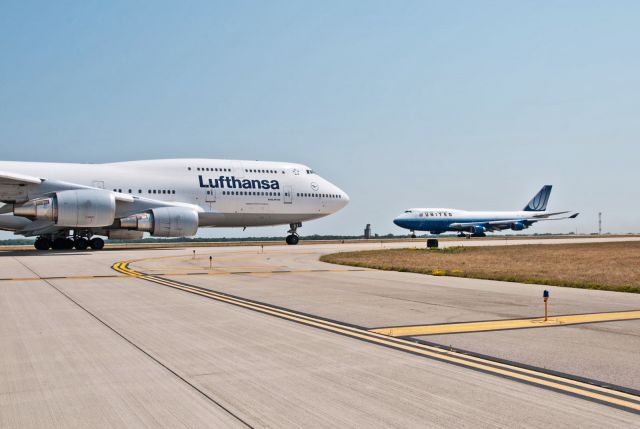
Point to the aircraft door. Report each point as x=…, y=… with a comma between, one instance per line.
x=288, y=195
x=211, y=195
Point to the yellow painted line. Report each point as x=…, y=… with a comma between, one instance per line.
x=275, y=272
x=498, y=325
x=582, y=389
x=29, y=279
x=195, y=268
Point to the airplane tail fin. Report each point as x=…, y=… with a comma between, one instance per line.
x=539, y=202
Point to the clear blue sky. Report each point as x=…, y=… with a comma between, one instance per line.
x=453, y=104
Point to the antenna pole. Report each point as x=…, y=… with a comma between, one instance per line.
x=599, y=223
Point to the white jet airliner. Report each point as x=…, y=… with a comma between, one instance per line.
x=70, y=205
x=476, y=223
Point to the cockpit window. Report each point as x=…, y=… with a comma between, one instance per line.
x=311, y=172
x=408, y=211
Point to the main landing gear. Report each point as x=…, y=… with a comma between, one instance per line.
x=413, y=234
x=62, y=242
x=292, y=238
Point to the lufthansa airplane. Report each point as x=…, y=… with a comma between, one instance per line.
x=70, y=205
x=476, y=224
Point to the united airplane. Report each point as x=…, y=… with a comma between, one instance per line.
x=477, y=224
x=74, y=205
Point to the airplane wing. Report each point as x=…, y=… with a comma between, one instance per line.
x=14, y=186
x=16, y=189
x=497, y=225
x=545, y=215
x=9, y=178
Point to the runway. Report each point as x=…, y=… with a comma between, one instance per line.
x=243, y=336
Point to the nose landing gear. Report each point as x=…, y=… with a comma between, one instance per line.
x=292, y=238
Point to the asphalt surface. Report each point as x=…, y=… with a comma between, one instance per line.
x=97, y=348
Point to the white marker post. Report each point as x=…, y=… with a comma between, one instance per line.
x=210, y=262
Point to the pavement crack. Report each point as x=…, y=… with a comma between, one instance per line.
x=139, y=348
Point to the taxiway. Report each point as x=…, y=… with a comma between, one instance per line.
x=273, y=337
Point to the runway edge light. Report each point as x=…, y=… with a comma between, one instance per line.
x=545, y=297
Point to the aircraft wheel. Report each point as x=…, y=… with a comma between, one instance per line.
x=81, y=243
x=292, y=239
x=96, y=243
x=59, y=243
x=42, y=243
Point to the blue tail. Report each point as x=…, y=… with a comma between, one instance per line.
x=539, y=202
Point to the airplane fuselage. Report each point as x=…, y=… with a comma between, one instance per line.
x=228, y=193
x=439, y=220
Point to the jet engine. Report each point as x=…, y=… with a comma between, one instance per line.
x=80, y=208
x=164, y=222
x=478, y=230
x=518, y=226
x=124, y=234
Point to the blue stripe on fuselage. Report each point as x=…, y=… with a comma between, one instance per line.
x=417, y=224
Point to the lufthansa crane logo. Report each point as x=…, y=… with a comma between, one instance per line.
x=314, y=186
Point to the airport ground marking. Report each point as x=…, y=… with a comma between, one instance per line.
x=500, y=325
x=27, y=279
x=582, y=389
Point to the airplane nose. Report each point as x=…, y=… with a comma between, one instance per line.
x=401, y=221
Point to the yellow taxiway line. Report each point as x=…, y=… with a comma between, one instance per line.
x=564, y=384
x=499, y=325
x=31, y=279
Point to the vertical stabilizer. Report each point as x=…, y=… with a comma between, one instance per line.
x=539, y=202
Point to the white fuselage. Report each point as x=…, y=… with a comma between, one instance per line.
x=441, y=219
x=229, y=193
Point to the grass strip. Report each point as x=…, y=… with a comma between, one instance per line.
x=603, y=266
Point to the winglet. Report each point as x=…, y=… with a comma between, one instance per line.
x=539, y=202
x=573, y=216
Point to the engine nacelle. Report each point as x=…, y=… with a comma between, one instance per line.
x=518, y=226
x=124, y=234
x=164, y=222
x=79, y=208
x=478, y=230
